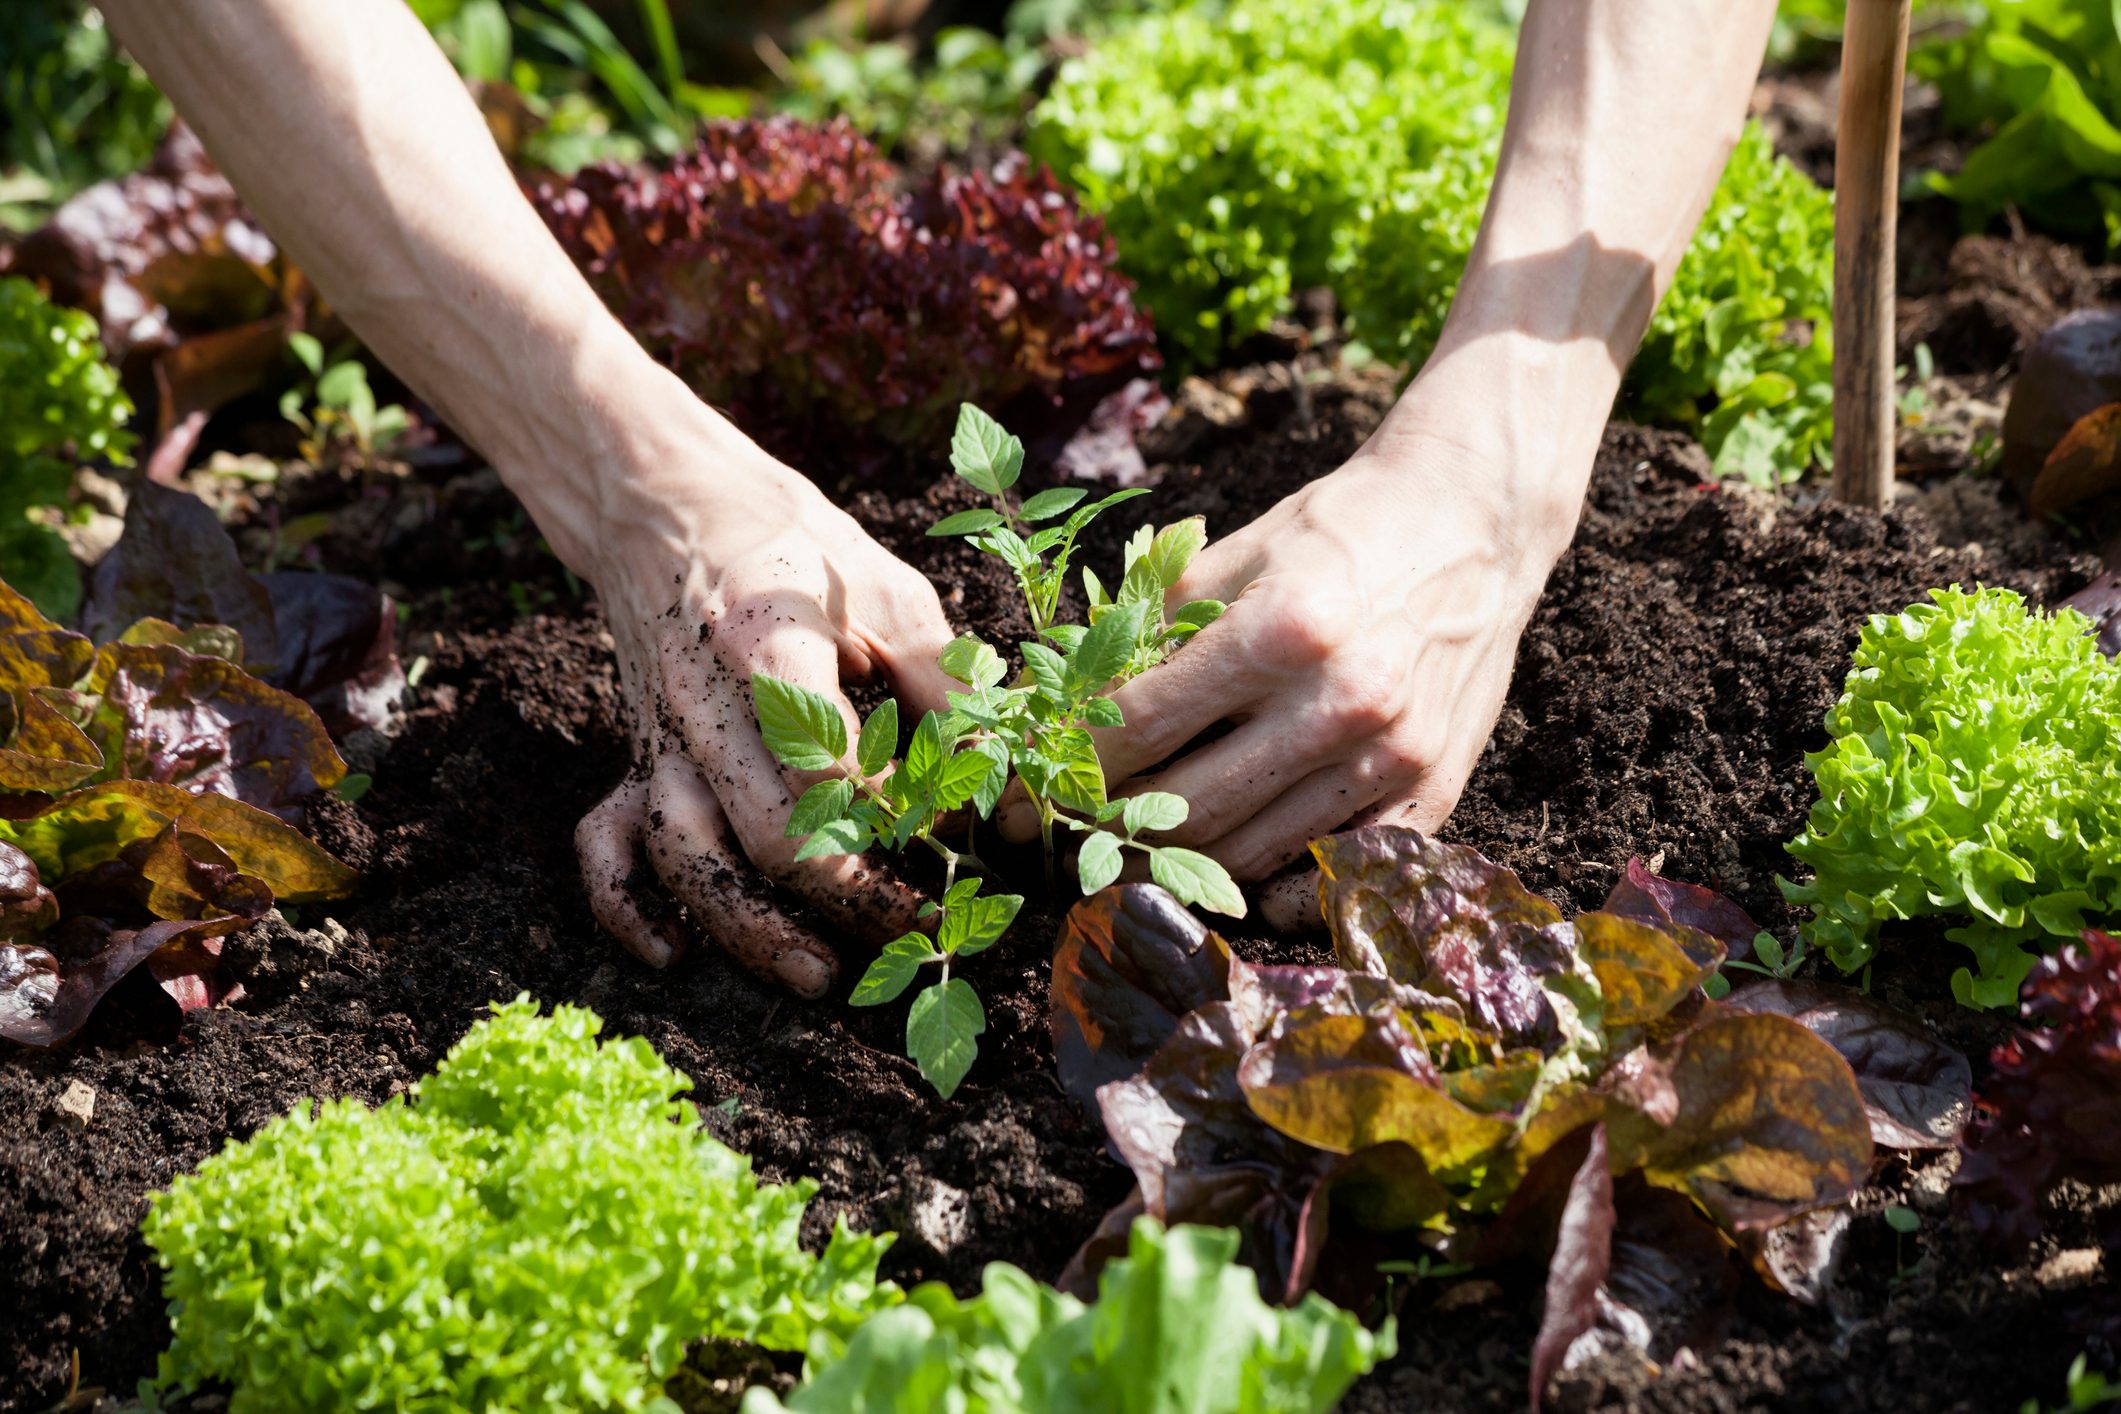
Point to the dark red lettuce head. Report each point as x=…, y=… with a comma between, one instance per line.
x=2052, y=1107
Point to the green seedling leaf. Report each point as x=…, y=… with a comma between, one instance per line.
x=988, y=793
x=1066, y=637
x=1137, y=546
x=963, y=891
x=1111, y=810
x=970, y=522
x=1049, y=671
x=822, y=804
x=1105, y=649
x=1194, y=878
x=879, y=738
x=1902, y=1220
x=841, y=836
x=1085, y=514
x=973, y=662
x=1174, y=548
x=960, y=779
x=977, y=924
x=941, y=1033
x=1048, y=504
x=1094, y=590
x=1078, y=780
x=923, y=762
x=1099, y=862
x=1103, y=712
x=1011, y=548
x=803, y=730
x=1198, y=613
x=893, y=971
x=1153, y=810
x=307, y=350
x=983, y=453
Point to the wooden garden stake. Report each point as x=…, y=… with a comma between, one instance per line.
x=1866, y=217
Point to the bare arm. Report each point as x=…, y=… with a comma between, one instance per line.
x=1376, y=613
x=347, y=131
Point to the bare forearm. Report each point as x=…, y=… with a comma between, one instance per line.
x=1622, y=114
x=347, y=131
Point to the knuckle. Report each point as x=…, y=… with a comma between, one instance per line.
x=1305, y=625
x=1361, y=705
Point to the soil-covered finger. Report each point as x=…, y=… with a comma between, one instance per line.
x=608, y=843
x=696, y=856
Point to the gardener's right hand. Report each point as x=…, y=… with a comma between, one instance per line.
x=713, y=562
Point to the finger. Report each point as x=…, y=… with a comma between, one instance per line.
x=756, y=794
x=1319, y=804
x=695, y=855
x=1230, y=780
x=1290, y=902
x=608, y=844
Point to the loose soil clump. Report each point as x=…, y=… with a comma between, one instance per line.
x=1666, y=691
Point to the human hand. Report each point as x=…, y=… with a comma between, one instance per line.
x=720, y=569
x=1373, y=622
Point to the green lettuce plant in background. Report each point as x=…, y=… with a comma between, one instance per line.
x=59, y=397
x=1243, y=151
x=1970, y=774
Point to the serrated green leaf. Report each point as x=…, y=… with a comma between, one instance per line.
x=972, y=661
x=1104, y=650
x=879, y=738
x=1048, y=504
x=1010, y=548
x=1103, y=712
x=1199, y=613
x=1192, y=877
x=821, y=804
x=1111, y=810
x=970, y=522
x=802, y=729
x=988, y=793
x=1066, y=637
x=1174, y=548
x=842, y=836
x=977, y=923
x=1049, y=671
x=941, y=1033
x=1045, y=540
x=923, y=761
x=1099, y=862
x=893, y=971
x=1077, y=781
x=1085, y=514
x=1137, y=546
x=1153, y=810
x=960, y=779
x=983, y=453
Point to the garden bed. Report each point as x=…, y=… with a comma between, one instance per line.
x=1672, y=679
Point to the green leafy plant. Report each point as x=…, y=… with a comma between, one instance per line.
x=342, y=407
x=58, y=396
x=1240, y=152
x=1034, y=730
x=972, y=92
x=2043, y=79
x=74, y=107
x=542, y=1224
x=1178, y=1328
x=1969, y=774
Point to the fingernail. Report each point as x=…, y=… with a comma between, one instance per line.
x=806, y=974
x=655, y=951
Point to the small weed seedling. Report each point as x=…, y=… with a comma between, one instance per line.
x=1035, y=729
x=343, y=408
x=1774, y=961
